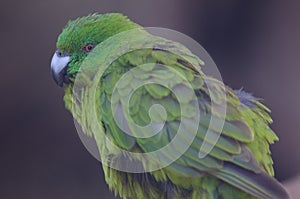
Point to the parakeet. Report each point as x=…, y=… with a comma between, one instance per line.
x=238, y=166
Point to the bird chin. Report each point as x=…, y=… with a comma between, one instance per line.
x=66, y=79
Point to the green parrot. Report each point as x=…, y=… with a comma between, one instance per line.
x=239, y=164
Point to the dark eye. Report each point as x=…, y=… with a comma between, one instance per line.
x=88, y=47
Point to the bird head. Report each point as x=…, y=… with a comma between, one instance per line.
x=79, y=38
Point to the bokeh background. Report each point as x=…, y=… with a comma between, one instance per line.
x=255, y=44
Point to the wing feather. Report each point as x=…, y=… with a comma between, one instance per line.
x=231, y=160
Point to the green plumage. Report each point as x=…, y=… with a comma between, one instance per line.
x=239, y=166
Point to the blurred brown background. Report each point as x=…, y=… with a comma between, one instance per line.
x=255, y=43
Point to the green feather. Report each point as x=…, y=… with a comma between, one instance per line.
x=239, y=166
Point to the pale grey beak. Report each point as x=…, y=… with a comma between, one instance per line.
x=59, y=65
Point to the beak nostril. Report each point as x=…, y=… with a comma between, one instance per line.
x=60, y=54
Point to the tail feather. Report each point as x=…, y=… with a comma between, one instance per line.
x=260, y=185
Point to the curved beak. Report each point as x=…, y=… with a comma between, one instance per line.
x=59, y=65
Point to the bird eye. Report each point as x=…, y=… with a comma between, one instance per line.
x=88, y=47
